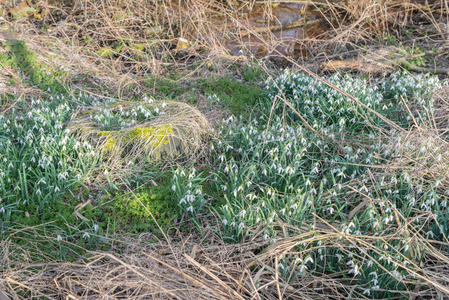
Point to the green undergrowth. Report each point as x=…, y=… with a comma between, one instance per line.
x=165, y=87
x=238, y=91
x=234, y=95
x=133, y=212
x=16, y=55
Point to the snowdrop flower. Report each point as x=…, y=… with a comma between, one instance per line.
x=308, y=259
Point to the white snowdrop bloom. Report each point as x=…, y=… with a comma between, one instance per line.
x=224, y=222
x=95, y=227
x=308, y=259
x=354, y=270
x=86, y=235
x=190, y=209
x=173, y=188
x=397, y=275
x=190, y=198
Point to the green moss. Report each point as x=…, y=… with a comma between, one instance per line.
x=106, y=52
x=138, y=46
x=153, y=136
x=132, y=211
x=237, y=96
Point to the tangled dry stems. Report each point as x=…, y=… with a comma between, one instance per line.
x=198, y=270
x=142, y=36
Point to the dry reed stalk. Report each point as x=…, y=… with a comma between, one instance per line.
x=141, y=37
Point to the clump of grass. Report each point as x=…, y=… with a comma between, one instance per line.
x=145, y=131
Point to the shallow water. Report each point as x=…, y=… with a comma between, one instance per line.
x=276, y=30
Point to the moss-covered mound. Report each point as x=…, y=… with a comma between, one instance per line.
x=159, y=130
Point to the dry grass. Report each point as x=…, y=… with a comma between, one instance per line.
x=200, y=269
x=119, y=43
x=183, y=130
